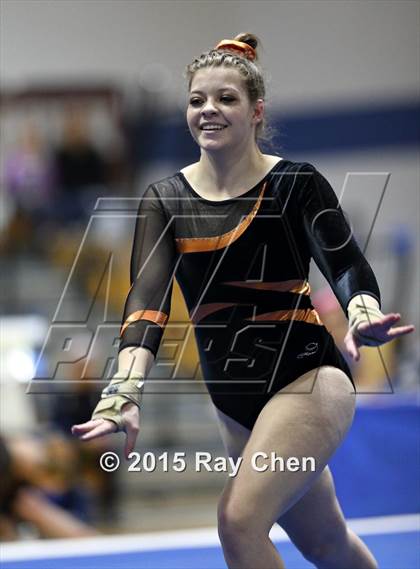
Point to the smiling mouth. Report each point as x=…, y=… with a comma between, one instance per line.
x=213, y=128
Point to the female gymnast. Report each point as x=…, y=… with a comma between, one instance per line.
x=238, y=229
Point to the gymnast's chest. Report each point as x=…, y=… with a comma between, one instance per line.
x=269, y=248
x=236, y=229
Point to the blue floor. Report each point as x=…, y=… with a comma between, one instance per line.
x=393, y=551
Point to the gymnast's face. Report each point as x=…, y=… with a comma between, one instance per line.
x=220, y=115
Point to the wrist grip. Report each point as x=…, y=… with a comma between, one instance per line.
x=124, y=388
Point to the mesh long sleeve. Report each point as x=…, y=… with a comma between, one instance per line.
x=331, y=242
x=153, y=263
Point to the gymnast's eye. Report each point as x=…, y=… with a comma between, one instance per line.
x=227, y=99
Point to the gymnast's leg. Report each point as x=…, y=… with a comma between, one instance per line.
x=296, y=422
x=317, y=527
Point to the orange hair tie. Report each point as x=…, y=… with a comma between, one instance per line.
x=239, y=46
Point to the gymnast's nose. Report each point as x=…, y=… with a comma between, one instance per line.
x=209, y=108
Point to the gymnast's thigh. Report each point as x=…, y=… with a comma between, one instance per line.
x=234, y=435
x=309, y=418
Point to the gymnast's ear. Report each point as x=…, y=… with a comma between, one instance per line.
x=258, y=111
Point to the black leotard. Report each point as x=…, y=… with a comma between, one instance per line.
x=242, y=265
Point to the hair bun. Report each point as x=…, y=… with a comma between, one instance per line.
x=248, y=38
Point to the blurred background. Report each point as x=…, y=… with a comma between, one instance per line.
x=92, y=110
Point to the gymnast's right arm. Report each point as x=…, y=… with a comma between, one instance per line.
x=146, y=312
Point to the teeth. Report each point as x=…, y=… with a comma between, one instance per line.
x=212, y=127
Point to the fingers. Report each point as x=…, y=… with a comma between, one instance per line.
x=392, y=316
x=105, y=428
x=387, y=321
x=130, y=440
x=383, y=332
x=351, y=346
x=401, y=331
x=99, y=427
x=94, y=429
x=132, y=422
x=84, y=427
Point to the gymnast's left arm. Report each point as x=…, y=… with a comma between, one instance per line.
x=337, y=254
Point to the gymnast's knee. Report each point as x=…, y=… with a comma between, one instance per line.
x=326, y=547
x=236, y=525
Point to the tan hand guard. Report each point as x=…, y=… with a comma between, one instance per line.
x=125, y=387
x=361, y=309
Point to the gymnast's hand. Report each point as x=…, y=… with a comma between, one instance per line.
x=369, y=327
x=130, y=417
x=117, y=410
